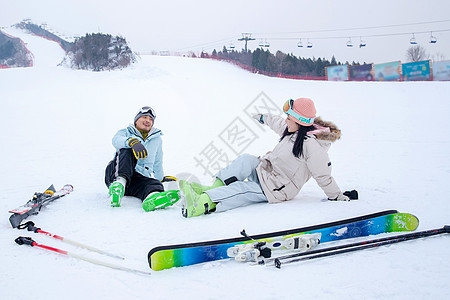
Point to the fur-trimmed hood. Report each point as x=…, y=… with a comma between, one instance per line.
x=325, y=130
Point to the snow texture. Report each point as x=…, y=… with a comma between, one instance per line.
x=57, y=128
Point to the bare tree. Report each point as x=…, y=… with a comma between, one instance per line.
x=416, y=53
x=438, y=57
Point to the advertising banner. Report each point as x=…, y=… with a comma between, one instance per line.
x=362, y=72
x=441, y=70
x=417, y=70
x=337, y=73
x=388, y=71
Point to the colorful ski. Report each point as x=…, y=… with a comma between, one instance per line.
x=165, y=257
x=33, y=206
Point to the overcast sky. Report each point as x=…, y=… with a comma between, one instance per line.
x=196, y=25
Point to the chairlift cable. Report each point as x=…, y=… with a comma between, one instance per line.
x=355, y=28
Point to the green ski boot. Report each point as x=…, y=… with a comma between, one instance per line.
x=199, y=188
x=160, y=200
x=195, y=204
x=116, y=191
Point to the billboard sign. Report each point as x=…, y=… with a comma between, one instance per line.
x=441, y=70
x=337, y=73
x=388, y=71
x=361, y=73
x=417, y=70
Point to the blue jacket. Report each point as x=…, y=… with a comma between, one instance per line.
x=152, y=165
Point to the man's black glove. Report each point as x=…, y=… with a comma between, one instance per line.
x=169, y=178
x=138, y=149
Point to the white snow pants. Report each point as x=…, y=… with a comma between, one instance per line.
x=243, y=184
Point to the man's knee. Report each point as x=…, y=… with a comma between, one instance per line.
x=125, y=152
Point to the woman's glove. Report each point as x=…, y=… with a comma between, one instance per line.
x=139, y=150
x=353, y=194
x=346, y=196
x=259, y=118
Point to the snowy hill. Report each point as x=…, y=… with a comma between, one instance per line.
x=45, y=52
x=57, y=126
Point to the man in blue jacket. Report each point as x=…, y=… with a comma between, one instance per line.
x=137, y=167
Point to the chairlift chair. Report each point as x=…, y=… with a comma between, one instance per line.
x=309, y=45
x=413, y=41
x=349, y=43
x=361, y=43
x=300, y=44
x=433, y=40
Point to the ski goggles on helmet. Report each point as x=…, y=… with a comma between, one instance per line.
x=288, y=109
x=147, y=110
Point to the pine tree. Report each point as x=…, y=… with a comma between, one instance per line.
x=333, y=61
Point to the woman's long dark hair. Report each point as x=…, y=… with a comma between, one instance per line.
x=297, y=150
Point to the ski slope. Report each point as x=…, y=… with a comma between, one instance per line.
x=57, y=126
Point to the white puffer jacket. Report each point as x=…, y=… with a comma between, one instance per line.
x=282, y=175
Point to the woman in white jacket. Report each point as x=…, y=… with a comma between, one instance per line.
x=280, y=174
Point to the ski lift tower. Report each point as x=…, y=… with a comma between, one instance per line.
x=246, y=37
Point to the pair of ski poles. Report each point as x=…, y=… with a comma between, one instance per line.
x=30, y=242
x=319, y=253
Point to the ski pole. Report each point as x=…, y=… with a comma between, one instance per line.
x=356, y=246
x=29, y=241
x=330, y=249
x=30, y=227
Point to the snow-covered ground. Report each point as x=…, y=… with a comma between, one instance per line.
x=57, y=126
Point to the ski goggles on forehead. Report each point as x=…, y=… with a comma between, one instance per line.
x=147, y=110
x=288, y=109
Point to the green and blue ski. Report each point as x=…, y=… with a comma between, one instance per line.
x=166, y=257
